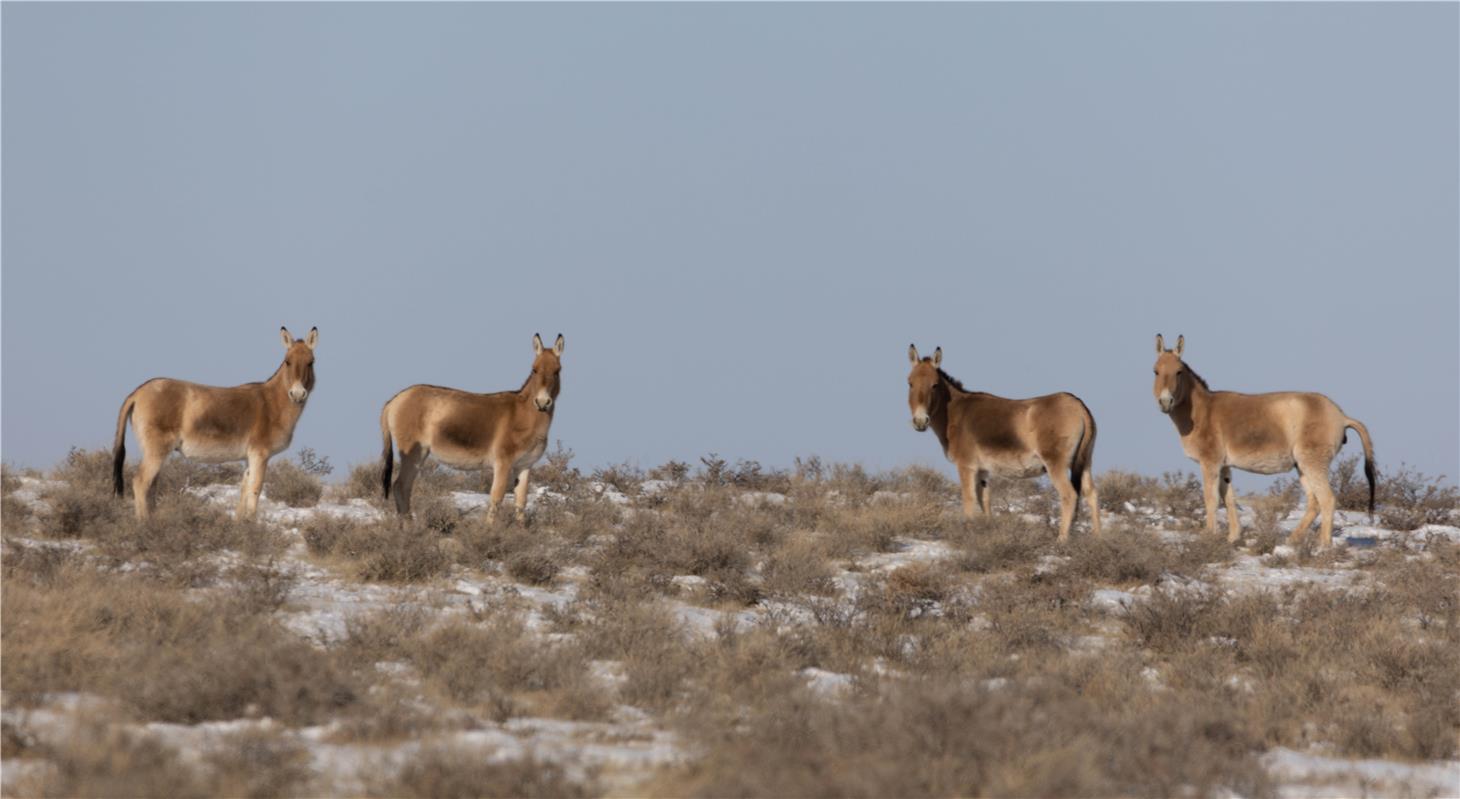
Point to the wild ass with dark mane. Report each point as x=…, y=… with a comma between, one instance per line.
x=506, y=430
x=251, y=422
x=1262, y=433
x=987, y=436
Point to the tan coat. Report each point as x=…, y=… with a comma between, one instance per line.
x=988, y=436
x=1261, y=433
x=506, y=431
x=251, y=422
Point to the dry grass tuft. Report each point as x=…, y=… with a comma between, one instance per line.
x=446, y=772
x=164, y=654
x=388, y=550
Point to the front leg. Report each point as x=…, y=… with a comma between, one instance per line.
x=1210, y=477
x=985, y=493
x=258, y=464
x=519, y=496
x=499, y=488
x=967, y=479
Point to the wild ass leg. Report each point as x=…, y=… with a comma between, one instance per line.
x=258, y=464
x=241, y=509
x=985, y=492
x=1229, y=496
x=1092, y=499
x=968, y=479
x=519, y=496
x=1068, y=498
x=1310, y=511
x=410, y=463
x=500, y=476
x=1210, y=478
x=143, y=484
x=1317, y=477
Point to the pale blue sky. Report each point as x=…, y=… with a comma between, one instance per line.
x=738, y=215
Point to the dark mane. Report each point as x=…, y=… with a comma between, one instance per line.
x=1196, y=376
x=950, y=379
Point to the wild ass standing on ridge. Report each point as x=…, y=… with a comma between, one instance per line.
x=988, y=436
x=507, y=430
x=251, y=422
x=1262, y=433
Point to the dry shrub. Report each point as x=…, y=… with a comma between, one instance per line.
x=1409, y=499
x=799, y=565
x=364, y=482
x=929, y=738
x=653, y=645
x=535, y=567
x=707, y=540
x=447, y=772
x=14, y=513
x=861, y=527
x=389, y=550
x=1170, y=621
x=286, y=482
x=502, y=666
x=1000, y=542
x=100, y=760
x=165, y=654
x=1116, y=488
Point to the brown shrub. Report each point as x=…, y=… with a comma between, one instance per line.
x=389, y=550
x=927, y=738
x=502, y=666
x=444, y=772
x=166, y=655
x=1116, y=488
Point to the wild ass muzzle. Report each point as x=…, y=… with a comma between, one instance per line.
x=251, y=423
x=506, y=431
x=1261, y=433
x=986, y=436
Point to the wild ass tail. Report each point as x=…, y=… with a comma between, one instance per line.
x=1370, y=470
x=387, y=452
x=119, y=444
x=1085, y=450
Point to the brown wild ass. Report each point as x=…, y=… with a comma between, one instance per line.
x=987, y=436
x=1262, y=433
x=506, y=430
x=250, y=422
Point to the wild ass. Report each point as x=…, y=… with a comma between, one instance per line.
x=506, y=430
x=987, y=436
x=1262, y=433
x=251, y=422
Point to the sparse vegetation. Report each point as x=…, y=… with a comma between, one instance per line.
x=819, y=630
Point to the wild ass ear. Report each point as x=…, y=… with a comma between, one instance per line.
x=1160, y=344
x=938, y=356
x=1180, y=345
x=284, y=334
x=912, y=353
x=312, y=338
x=558, y=345
x=536, y=344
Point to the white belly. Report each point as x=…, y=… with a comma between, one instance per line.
x=1264, y=464
x=208, y=452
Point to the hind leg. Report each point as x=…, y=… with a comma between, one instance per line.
x=144, y=486
x=1092, y=499
x=1229, y=497
x=1210, y=478
x=985, y=493
x=410, y=463
x=1316, y=481
x=1068, y=499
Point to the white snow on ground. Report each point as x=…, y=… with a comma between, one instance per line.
x=1309, y=776
x=627, y=749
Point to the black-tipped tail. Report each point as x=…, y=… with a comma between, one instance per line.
x=119, y=457
x=1372, y=473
